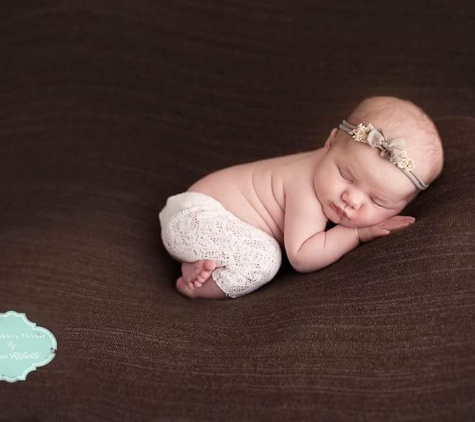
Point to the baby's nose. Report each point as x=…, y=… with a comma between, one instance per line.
x=352, y=200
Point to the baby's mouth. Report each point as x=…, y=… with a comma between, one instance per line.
x=340, y=212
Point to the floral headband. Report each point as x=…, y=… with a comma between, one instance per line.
x=391, y=150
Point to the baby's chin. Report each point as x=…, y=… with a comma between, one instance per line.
x=337, y=220
x=347, y=223
x=341, y=221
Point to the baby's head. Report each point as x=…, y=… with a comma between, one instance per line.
x=366, y=186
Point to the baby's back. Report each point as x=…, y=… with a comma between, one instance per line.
x=254, y=192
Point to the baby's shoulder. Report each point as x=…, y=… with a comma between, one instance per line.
x=302, y=202
x=299, y=190
x=299, y=170
x=296, y=165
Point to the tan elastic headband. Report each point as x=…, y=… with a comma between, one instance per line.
x=391, y=150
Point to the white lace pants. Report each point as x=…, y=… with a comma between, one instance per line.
x=195, y=226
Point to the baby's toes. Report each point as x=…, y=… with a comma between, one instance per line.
x=203, y=276
x=209, y=265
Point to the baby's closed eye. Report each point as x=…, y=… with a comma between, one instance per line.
x=375, y=203
x=348, y=179
x=343, y=176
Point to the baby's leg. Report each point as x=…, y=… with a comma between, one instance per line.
x=196, y=228
x=209, y=290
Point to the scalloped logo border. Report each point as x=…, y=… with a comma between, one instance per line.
x=23, y=346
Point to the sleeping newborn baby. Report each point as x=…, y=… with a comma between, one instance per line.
x=230, y=228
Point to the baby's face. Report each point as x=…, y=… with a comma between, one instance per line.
x=355, y=178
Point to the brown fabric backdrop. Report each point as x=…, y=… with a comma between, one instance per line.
x=109, y=107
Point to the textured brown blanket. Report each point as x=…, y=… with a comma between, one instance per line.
x=107, y=108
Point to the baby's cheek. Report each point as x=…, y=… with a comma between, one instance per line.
x=376, y=217
x=385, y=215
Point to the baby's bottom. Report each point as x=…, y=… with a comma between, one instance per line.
x=197, y=227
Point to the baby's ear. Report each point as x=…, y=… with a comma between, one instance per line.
x=330, y=140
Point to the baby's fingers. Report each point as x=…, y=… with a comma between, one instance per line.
x=398, y=222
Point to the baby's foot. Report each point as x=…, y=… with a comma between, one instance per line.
x=196, y=273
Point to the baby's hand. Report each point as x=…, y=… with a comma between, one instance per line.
x=366, y=234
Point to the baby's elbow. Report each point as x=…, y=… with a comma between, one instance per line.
x=305, y=266
x=294, y=262
x=299, y=266
x=304, y=270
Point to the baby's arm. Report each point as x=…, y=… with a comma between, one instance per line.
x=313, y=255
x=325, y=248
x=308, y=246
x=341, y=239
